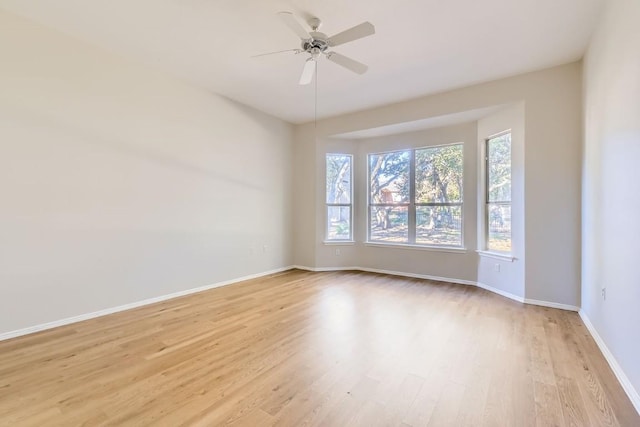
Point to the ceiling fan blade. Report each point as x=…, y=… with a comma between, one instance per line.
x=290, y=21
x=348, y=63
x=359, y=31
x=297, y=51
x=308, y=71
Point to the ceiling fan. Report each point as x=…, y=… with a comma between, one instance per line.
x=315, y=44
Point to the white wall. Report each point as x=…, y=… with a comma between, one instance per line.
x=510, y=275
x=552, y=100
x=119, y=183
x=611, y=185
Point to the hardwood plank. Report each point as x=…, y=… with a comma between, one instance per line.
x=572, y=405
x=548, y=407
x=305, y=349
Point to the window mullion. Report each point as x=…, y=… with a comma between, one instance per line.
x=412, y=198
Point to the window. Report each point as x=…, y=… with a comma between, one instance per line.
x=339, y=197
x=498, y=193
x=415, y=196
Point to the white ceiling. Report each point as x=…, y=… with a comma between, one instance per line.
x=420, y=46
x=422, y=124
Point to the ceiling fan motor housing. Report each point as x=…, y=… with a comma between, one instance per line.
x=316, y=44
x=317, y=41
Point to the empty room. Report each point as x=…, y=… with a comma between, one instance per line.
x=303, y=213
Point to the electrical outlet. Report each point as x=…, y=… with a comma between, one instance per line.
x=604, y=293
x=338, y=252
x=496, y=268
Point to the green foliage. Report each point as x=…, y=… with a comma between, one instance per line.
x=342, y=228
x=499, y=168
x=439, y=172
x=389, y=171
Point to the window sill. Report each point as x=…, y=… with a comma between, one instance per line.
x=417, y=247
x=339, y=242
x=497, y=255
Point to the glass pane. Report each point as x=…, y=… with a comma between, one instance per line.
x=439, y=225
x=338, y=223
x=499, y=168
x=338, y=178
x=389, y=224
x=439, y=174
x=389, y=177
x=499, y=236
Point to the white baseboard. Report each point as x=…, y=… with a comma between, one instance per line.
x=633, y=394
x=81, y=317
x=449, y=280
x=500, y=292
x=417, y=276
x=111, y=310
x=320, y=269
x=613, y=363
x=390, y=272
x=551, y=304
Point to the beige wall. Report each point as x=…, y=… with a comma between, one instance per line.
x=552, y=103
x=415, y=261
x=304, y=197
x=611, y=186
x=119, y=183
x=459, y=266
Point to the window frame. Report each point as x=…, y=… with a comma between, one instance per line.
x=412, y=204
x=328, y=205
x=486, y=197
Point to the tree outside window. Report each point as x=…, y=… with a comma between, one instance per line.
x=339, y=197
x=498, y=193
x=416, y=196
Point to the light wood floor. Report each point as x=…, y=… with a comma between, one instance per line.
x=305, y=349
